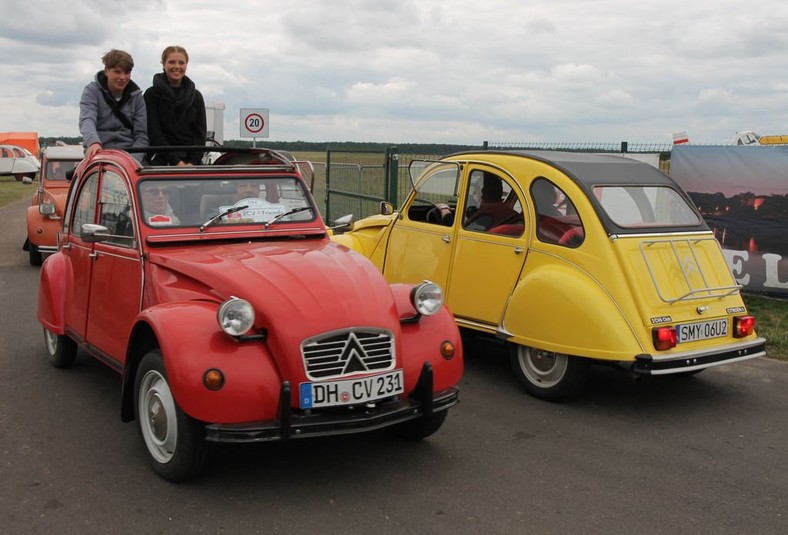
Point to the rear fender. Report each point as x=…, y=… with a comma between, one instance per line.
x=192, y=343
x=560, y=308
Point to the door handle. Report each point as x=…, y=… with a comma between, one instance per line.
x=93, y=255
x=518, y=250
x=446, y=238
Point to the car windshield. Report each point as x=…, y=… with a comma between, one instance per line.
x=645, y=206
x=246, y=199
x=57, y=169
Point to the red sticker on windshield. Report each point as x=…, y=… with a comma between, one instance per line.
x=160, y=220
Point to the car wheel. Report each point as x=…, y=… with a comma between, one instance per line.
x=174, y=441
x=421, y=427
x=35, y=256
x=546, y=375
x=61, y=349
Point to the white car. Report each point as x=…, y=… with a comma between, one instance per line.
x=19, y=162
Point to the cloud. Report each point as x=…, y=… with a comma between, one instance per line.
x=422, y=71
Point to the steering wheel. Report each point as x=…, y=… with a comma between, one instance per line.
x=572, y=237
x=433, y=214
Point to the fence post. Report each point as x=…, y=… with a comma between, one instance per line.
x=392, y=172
x=328, y=185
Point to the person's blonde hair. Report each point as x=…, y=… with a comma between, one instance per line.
x=118, y=58
x=174, y=48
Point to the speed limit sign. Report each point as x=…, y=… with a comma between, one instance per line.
x=254, y=122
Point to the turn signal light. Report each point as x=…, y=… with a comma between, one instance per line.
x=664, y=337
x=213, y=379
x=743, y=326
x=447, y=350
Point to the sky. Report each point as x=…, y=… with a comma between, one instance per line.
x=421, y=71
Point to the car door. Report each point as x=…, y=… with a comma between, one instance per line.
x=489, y=249
x=78, y=254
x=421, y=242
x=6, y=161
x=116, y=277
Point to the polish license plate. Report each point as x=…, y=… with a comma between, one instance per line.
x=702, y=330
x=351, y=391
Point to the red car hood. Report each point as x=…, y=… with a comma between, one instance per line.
x=298, y=289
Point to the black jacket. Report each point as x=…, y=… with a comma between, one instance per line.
x=176, y=116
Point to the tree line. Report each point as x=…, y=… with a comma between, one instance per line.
x=315, y=146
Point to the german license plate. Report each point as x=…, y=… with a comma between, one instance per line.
x=689, y=332
x=351, y=391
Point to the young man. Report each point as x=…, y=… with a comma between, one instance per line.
x=112, y=109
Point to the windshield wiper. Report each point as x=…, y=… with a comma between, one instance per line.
x=285, y=214
x=220, y=215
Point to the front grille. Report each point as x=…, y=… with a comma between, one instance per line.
x=348, y=352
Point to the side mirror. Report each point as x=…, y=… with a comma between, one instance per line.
x=92, y=233
x=343, y=222
x=386, y=208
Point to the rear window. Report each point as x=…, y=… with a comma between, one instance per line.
x=645, y=206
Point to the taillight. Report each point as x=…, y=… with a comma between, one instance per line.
x=743, y=326
x=664, y=337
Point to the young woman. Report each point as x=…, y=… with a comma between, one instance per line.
x=176, y=111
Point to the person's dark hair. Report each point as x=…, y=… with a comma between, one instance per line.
x=174, y=48
x=492, y=189
x=118, y=58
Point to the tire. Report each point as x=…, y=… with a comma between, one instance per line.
x=61, y=349
x=546, y=375
x=35, y=256
x=421, y=428
x=174, y=441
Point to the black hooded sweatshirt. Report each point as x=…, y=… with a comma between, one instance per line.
x=176, y=116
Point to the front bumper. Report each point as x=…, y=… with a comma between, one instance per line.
x=697, y=360
x=291, y=423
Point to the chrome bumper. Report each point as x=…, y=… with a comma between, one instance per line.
x=698, y=360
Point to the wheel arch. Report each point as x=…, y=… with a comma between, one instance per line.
x=143, y=339
x=50, y=311
x=561, y=308
x=191, y=342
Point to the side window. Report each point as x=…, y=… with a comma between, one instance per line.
x=557, y=221
x=491, y=205
x=436, y=198
x=115, y=209
x=85, y=204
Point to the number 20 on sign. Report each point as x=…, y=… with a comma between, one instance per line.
x=254, y=122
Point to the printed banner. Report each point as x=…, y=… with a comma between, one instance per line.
x=742, y=192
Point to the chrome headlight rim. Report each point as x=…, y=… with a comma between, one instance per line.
x=427, y=298
x=235, y=316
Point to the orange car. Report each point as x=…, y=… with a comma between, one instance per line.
x=46, y=210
